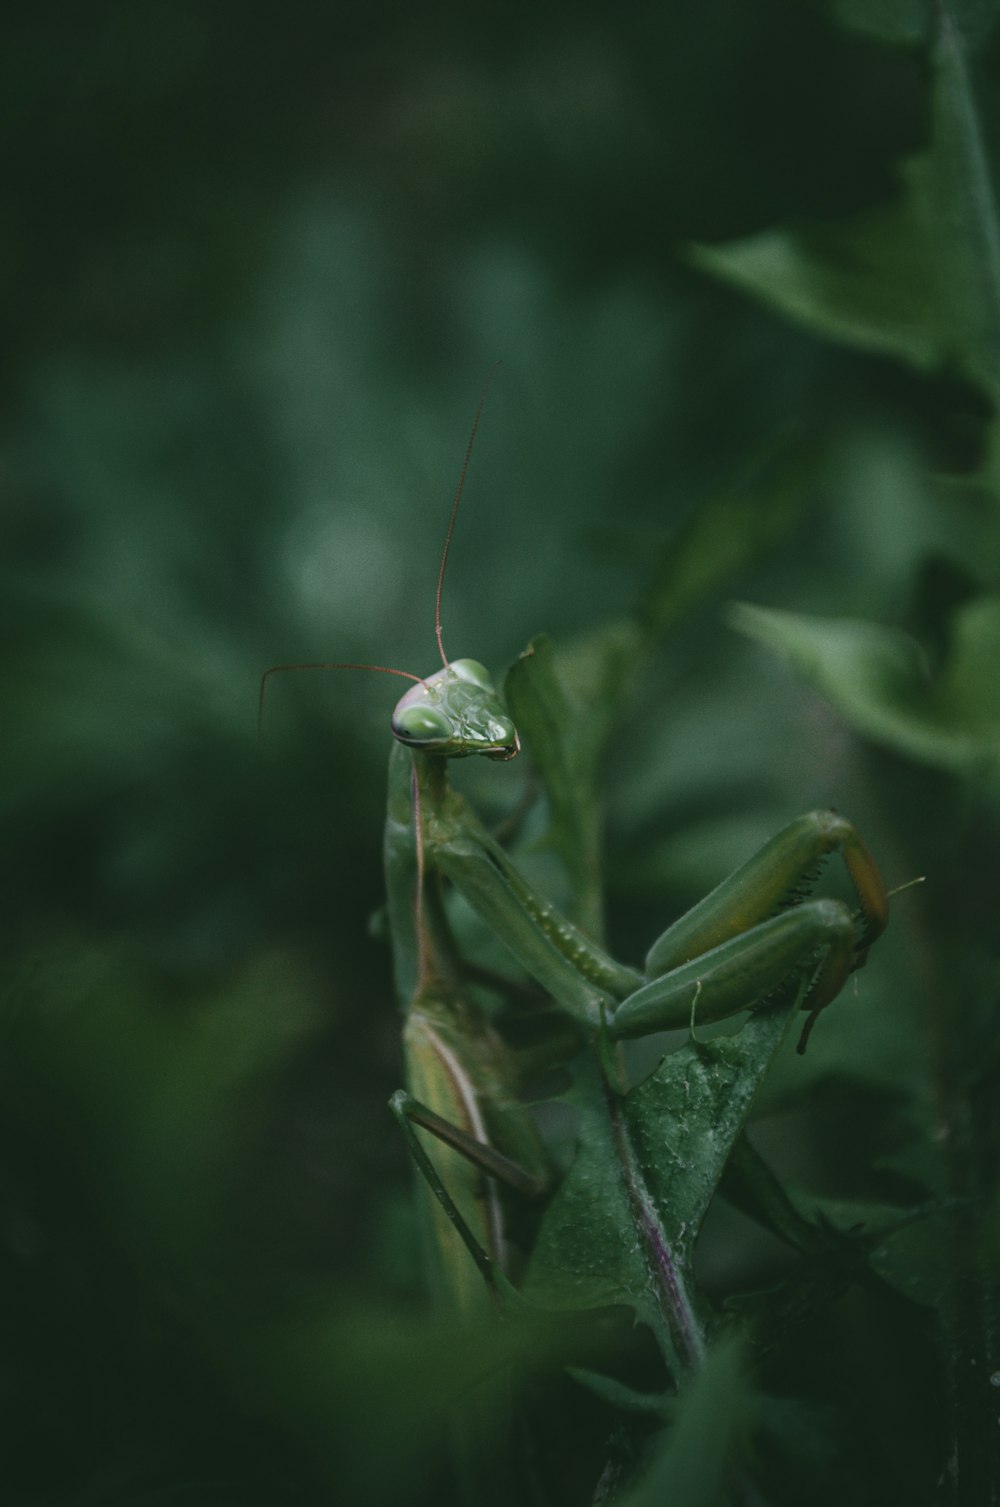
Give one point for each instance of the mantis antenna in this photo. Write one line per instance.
(387, 669)
(454, 510)
(424, 964)
(328, 665)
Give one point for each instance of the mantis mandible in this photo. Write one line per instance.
(759, 938)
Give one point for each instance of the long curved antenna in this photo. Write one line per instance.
(454, 511)
(279, 669)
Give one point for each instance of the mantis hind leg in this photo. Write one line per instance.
(484, 1141)
(478, 1153)
(410, 1113)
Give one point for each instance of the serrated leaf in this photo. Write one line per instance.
(685, 1118)
(622, 1226)
(878, 680)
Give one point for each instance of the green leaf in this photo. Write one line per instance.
(167, 1102)
(917, 279)
(566, 703)
(609, 1389)
(728, 531)
(622, 1226)
(905, 22)
(704, 1440)
(685, 1118)
(551, 724)
(908, 23)
(878, 680)
(598, 669)
(846, 280)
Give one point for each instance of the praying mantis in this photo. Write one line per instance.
(759, 942)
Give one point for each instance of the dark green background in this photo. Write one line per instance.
(258, 261)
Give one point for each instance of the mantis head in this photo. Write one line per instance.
(454, 713)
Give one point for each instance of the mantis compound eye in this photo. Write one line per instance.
(503, 731)
(472, 671)
(420, 723)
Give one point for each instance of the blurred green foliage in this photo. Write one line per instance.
(741, 263)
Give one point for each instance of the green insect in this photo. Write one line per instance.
(758, 939)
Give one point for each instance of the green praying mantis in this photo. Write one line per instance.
(756, 941)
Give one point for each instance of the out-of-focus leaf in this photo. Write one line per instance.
(553, 726)
(878, 680)
(728, 531)
(918, 278)
(568, 701)
(165, 1105)
(598, 669)
(166, 1100)
(905, 22)
(702, 1447)
(658, 1404)
(868, 281)
(908, 23)
(370, 1392)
